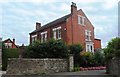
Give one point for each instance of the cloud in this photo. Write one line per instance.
(110, 4)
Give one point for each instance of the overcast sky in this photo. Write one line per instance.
(18, 18)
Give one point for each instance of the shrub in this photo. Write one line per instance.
(8, 53)
(99, 58)
(86, 59)
(50, 49)
(75, 49)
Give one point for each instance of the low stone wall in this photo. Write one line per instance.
(38, 66)
(113, 67)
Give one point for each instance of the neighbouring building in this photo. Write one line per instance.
(10, 43)
(97, 44)
(74, 28)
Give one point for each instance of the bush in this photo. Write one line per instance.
(86, 59)
(99, 58)
(8, 53)
(75, 49)
(113, 48)
(50, 49)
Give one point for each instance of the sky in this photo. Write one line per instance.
(18, 18)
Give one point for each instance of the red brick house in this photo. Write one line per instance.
(9, 43)
(74, 28)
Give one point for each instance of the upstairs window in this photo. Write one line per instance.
(81, 20)
(44, 36)
(57, 33)
(88, 35)
(8, 45)
(34, 38)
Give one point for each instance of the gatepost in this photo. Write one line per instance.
(71, 62)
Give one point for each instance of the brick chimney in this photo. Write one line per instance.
(73, 8)
(38, 25)
(13, 40)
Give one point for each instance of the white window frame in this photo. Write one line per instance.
(88, 33)
(54, 34)
(34, 38)
(42, 36)
(88, 46)
(8, 45)
(57, 33)
(81, 20)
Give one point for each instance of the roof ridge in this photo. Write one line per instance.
(58, 20)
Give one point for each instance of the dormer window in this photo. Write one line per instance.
(81, 20)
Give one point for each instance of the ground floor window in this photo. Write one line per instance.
(89, 46)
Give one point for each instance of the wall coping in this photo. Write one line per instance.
(37, 59)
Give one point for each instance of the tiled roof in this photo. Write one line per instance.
(62, 19)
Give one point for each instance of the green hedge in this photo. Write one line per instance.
(50, 49)
(8, 53)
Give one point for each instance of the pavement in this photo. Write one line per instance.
(92, 73)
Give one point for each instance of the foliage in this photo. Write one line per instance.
(8, 53)
(86, 59)
(76, 69)
(113, 48)
(75, 49)
(50, 49)
(99, 58)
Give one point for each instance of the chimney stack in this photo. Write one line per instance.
(73, 8)
(38, 25)
(13, 40)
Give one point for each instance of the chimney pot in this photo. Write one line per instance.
(13, 40)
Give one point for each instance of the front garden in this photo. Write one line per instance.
(59, 49)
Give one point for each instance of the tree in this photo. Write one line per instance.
(113, 48)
